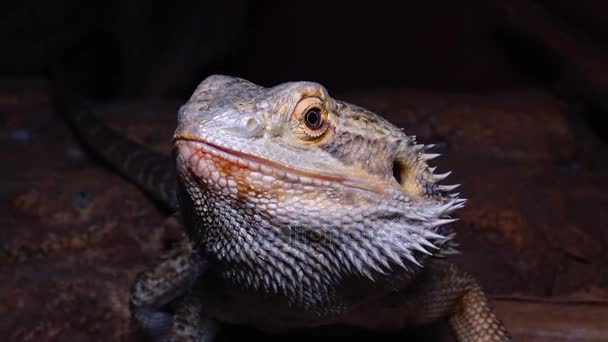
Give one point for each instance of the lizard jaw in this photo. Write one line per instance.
(198, 146)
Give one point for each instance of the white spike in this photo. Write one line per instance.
(418, 147)
(395, 257)
(446, 208)
(457, 206)
(454, 195)
(266, 279)
(429, 156)
(324, 261)
(451, 236)
(448, 188)
(375, 253)
(441, 176)
(418, 247)
(273, 262)
(432, 235)
(372, 263)
(450, 250)
(341, 255)
(383, 262)
(432, 169)
(416, 216)
(427, 243)
(316, 276)
(283, 269)
(252, 282)
(355, 261)
(364, 271)
(430, 146)
(411, 258)
(461, 201)
(450, 207)
(441, 222)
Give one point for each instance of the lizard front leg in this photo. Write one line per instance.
(447, 291)
(158, 288)
(189, 324)
(440, 291)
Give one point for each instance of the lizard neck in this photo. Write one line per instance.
(323, 268)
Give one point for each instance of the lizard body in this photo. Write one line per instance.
(300, 211)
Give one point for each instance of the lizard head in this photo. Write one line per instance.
(305, 186)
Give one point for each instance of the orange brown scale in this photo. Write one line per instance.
(227, 170)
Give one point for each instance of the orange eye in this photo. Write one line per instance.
(309, 118)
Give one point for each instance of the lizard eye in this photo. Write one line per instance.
(313, 118)
(309, 118)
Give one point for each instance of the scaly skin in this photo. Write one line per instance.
(302, 211)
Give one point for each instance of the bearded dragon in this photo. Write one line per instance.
(299, 211)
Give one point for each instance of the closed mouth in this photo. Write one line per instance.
(278, 170)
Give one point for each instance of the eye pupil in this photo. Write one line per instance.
(313, 118)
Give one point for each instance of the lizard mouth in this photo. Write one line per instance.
(265, 166)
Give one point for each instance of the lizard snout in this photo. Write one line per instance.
(217, 124)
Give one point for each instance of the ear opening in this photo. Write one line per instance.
(406, 169)
(397, 172)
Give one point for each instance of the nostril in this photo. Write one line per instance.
(251, 125)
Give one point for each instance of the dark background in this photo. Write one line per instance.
(516, 92)
(156, 48)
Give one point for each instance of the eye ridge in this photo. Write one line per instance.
(313, 118)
